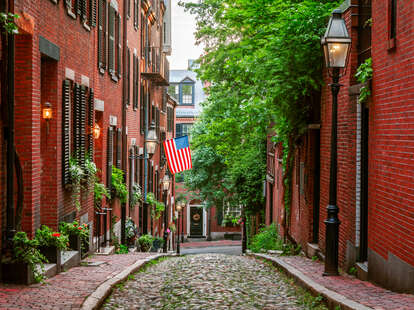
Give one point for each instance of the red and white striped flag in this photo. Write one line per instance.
(178, 154)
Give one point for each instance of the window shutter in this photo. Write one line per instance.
(91, 112)
(109, 157)
(102, 35)
(131, 173)
(157, 121)
(76, 119)
(128, 4)
(134, 81)
(118, 147)
(66, 132)
(118, 47)
(129, 76)
(164, 99)
(92, 13)
(78, 6)
(156, 185)
(136, 14)
(219, 215)
(141, 172)
(141, 109)
(82, 128)
(83, 9)
(111, 39)
(137, 180)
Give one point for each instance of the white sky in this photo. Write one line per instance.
(183, 40)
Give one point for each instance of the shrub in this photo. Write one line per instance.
(145, 242)
(47, 237)
(75, 229)
(266, 239)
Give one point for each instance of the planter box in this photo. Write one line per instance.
(74, 243)
(17, 273)
(52, 254)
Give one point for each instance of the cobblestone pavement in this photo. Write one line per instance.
(207, 281)
(68, 289)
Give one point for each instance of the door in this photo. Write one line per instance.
(196, 221)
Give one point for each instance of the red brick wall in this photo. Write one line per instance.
(391, 165)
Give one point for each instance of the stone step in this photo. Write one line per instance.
(69, 259)
(50, 270)
(362, 271)
(107, 250)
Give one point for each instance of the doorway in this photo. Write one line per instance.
(196, 221)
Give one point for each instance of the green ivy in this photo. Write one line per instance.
(364, 75)
(118, 184)
(7, 22)
(76, 175)
(157, 207)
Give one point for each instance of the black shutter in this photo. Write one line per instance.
(156, 185)
(134, 80)
(66, 132)
(111, 39)
(136, 149)
(109, 157)
(136, 14)
(129, 76)
(92, 13)
(164, 99)
(76, 120)
(157, 121)
(219, 215)
(141, 109)
(128, 4)
(118, 147)
(78, 7)
(118, 47)
(82, 128)
(91, 112)
(131, 172)
(178, 130)
(83, 9)
(102, 35)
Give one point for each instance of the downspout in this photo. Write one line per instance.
(124, 125)
(10, 157)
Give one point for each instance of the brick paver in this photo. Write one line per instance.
(363, 292)
(201, 244)
(67, 290)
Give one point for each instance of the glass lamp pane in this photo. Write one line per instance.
(151, 145)
(337, 54)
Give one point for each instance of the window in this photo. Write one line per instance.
(183, 130)
(393, 19)
(173, 90)
(187, 94)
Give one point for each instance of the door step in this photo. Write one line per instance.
(69, 259)
(107, 250)
(313, 250)
(362, 271)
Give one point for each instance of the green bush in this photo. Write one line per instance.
(266, 239)
(76, 229)
(145, 242)
(47, 237)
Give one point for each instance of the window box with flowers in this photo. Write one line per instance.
(51, 243)
(78, 235)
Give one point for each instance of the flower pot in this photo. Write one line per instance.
(74, 243)
(52, 254)
(17, 273)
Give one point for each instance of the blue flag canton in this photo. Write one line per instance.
(181, 142)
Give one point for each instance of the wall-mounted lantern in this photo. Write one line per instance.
(47, 114)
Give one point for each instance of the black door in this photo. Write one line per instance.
(363, 254)
(270, 203)
(316, 184)
(196, 221)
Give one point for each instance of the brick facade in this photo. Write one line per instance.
(388, 116)
(57, 44)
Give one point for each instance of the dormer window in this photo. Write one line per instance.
(187, 94)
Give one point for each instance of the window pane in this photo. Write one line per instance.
(173, 91)
(187, 94)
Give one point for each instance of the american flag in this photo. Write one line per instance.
(178, 154)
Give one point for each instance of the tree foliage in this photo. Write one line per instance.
(263, 62)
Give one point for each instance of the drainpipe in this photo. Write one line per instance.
(124, 125)
(10, 157)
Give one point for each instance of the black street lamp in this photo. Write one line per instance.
(165, 187)
(336, 46)
(179, 207)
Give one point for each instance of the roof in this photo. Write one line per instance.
(178, 76)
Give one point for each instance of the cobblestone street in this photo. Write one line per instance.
(208, 281)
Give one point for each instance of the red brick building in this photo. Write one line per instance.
(94, 62)
(375, 155)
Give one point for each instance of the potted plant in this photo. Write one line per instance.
(145, 242)
(136, 195)
(157, 244)
(119, 188)
(78, 235)
(51, 243)
(25, 266)
(131, 231)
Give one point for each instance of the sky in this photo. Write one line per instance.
(183, 40)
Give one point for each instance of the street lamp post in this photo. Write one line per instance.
(336, 45)
(165, 187)
(179, 207)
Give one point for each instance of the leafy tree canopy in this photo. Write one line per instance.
(263, 62)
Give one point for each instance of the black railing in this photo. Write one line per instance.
(157, 67)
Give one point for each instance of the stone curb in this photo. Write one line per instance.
(332, 298)
(95, 300)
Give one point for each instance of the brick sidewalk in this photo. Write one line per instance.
(362, 292)
(204, 244)
(67, 290)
